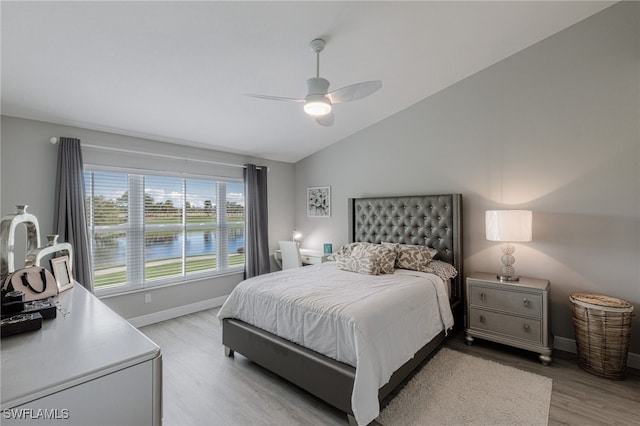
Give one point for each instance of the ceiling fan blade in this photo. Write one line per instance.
(325, 120)
(354, 91)
(274, 98)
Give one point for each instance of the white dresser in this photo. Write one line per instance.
(512, 313)
(87, 366)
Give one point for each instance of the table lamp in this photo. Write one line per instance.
(508, 226)
(297, 236)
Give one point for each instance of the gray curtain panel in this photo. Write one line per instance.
(70, 220)
(257, 223)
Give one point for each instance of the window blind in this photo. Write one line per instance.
(150, 229)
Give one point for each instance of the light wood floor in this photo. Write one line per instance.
(203, 387)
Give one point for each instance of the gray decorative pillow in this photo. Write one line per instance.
(345, 250)
(369, 265)
(386, 255)
(394, 246)
(414, 258)
(444, 270)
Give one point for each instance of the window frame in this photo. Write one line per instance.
(136, 281)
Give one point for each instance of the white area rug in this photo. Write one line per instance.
(459, 389)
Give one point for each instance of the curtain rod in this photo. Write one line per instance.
(54, 140)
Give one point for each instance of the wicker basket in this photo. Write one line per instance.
(603, 332)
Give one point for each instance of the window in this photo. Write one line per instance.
(148, 230)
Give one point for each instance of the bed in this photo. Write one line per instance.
(433, 221)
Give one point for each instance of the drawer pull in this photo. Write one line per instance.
(527, 328)
(526, 302)
(483, 296)
(482, 319)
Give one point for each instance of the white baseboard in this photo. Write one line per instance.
(569, 345)
(179, 311)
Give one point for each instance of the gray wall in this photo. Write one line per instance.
(554, 129)
(28, 177)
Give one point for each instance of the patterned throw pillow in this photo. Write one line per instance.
(444, 270)
(394, 246)
(345, 250)
(415, 258)
(386, 255)
(369, 265)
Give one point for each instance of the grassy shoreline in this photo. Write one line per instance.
(164, 268)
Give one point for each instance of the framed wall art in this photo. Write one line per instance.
(62, 272)
(319, 201)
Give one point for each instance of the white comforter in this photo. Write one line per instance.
(374, 323)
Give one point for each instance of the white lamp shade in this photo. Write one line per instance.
(509, 225)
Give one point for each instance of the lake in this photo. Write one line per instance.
(112, 250)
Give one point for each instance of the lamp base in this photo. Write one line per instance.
(507, 272)
(508, 279)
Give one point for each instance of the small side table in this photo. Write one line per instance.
(511, 313)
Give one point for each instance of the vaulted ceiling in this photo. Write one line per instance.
(177, 71)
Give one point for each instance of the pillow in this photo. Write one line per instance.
(414, 258)
(386, 255)
(345, 250)
(444, 270)
(394, 246)
(369, 265)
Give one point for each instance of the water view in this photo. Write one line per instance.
(163, 254)
(112, 249)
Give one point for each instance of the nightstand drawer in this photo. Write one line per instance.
(313, 260)
(520, 328)
(505, 300)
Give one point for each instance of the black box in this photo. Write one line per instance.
(20, 323)
(46, 308)
(12, 303)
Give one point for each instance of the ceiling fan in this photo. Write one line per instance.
(319, 101)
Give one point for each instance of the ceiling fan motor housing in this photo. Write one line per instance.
(316, 103)
(317, 86)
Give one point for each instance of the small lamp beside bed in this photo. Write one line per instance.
(508, 226)
(297, 237)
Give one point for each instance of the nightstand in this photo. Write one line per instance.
(511, 313)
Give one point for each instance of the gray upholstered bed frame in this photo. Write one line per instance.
(432, 220)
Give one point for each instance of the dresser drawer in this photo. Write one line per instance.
(505, 300)
(494, 322)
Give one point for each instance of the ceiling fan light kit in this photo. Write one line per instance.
(317, 105)
(318, 102)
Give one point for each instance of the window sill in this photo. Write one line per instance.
(114, 292)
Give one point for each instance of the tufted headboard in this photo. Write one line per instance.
(431, 220)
